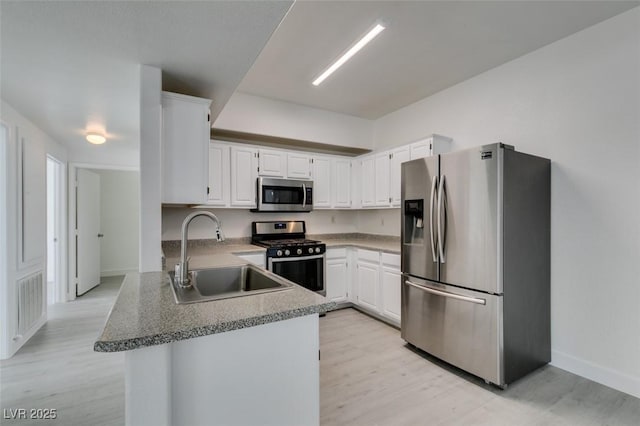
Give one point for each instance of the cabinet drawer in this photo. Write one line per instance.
(336, 253)
(391, 260)
(368, 255)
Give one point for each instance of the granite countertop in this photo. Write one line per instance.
(384, 243)
(145, 312)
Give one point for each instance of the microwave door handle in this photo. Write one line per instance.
(304, 195)
(434, 184)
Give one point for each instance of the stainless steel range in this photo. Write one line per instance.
(290, 254)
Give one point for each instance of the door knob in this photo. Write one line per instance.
(100, 235)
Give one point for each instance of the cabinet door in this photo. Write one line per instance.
(321, 182)
(368, 181)
(421, 149)
(185, 145)
(398, 157)
(272, 163)
(337, 279)
(298, 166)
(382, 180)
(391, 288)
(367, 281)
(341, 182)
(219, 173)
(244, 165)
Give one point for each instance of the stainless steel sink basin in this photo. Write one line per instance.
(227, 282)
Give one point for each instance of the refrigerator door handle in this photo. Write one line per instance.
(441, 232)
(434, 184)
(447, 294)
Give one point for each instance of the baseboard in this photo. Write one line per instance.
(116, 272)
(603, 375)
(15, 344)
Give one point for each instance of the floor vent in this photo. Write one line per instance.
(30, 301)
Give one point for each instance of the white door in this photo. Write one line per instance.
(342, 183)
(398, 157)
(321, 182)
(243, 176)
(421, 149)
(88, 231)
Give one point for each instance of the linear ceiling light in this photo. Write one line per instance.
(344, 58)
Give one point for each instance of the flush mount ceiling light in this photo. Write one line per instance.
(96, 138)
(352, 51)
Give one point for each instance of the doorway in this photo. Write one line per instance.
(104, 225)
(56, 291)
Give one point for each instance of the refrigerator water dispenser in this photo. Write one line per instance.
(413, 221)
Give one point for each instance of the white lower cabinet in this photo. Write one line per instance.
(391, 280)
(254, 258)
(337, 275)
(367, 278)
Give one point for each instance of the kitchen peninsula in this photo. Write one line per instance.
(243, 360)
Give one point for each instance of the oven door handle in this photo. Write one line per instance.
(291, 259)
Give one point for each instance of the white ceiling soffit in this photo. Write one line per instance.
(426, 47)
(70, 66)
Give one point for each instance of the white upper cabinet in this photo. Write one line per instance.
(219, 175)
(321, 174)
(272, 163)
(244, 171)
(368, 181)
(298, 166)
(433, 145)
(185, 146)
(398, 156)
(382, 198)
(341, 177)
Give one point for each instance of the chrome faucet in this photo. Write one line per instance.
(182, 268)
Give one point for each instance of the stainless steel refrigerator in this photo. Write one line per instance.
(475, 260)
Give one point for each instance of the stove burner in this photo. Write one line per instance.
(287, 243)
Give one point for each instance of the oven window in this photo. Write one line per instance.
(309, 273)
(282, 195)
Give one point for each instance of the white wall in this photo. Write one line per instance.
(255, 114)
(379, 222)
(39, 145)
(119, 221)
(236, 223)
(577, 102)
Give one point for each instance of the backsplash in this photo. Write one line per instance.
(236, 223)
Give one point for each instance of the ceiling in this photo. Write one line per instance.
(73, 67)
(427, 46)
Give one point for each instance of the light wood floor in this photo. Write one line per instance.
(368, 376)
(58, 368)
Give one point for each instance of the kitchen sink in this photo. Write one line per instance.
(226, 282)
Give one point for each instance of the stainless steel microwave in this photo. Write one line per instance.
(284, 195)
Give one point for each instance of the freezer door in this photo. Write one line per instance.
(418, 250)
(459, 326)
(470, 222)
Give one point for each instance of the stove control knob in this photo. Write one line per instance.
(317, 249)
(279, 253)
(287, 252)
(299, 251)
(310, 250)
